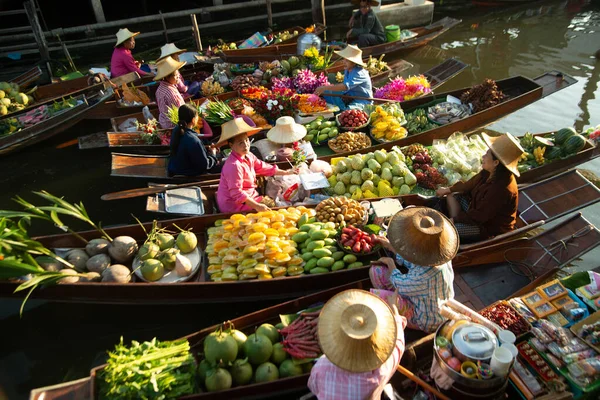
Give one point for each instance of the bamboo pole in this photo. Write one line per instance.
(164, 24)
(270, 14)
(324, 19)
(196, 33)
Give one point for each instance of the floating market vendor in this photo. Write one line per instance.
(237, 186)
(424, 242)
(365, 26)
(122, 62)
(486, 205)
(357, 81)
(189, 88)
(362, 339)
(188, 156)
(285, 132)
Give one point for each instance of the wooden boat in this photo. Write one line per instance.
(572, 191)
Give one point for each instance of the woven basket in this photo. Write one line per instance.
(351, 129)
(344, 151)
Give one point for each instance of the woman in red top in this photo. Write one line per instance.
(486, 205)
(122, 61)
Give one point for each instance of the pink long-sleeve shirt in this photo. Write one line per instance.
(238, 181)
(329, 382)
(122, 63)
(167, 96)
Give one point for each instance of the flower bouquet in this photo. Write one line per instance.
(401, 90)
(150, 134)
(311, 103)
(305, 81)
(277, 103)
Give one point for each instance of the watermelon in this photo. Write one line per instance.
(562, 135)
(552, 153)
(574, 144)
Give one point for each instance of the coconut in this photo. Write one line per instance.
(168, 258)
(122, 249)
(90, 277)
(116, 273)
(183, 266)
(148, 251)
(49, 264)
(165, 241)
(187, 241)
(98, 263)
(241, 372)
(77, 258)
(70, 279)
(217, 379)
(97, 246)
(288, 368)
(269, 331)
(152, 270)
(279, 354)
(266, 372)
(258, 348)
(220, 345)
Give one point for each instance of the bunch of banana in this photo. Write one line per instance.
(418, 122)
(538, 153)
(376, 65)
(211, 88)
(339, 77)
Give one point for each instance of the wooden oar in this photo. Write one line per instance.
(421, 383)
(128, 194)
(359, 97)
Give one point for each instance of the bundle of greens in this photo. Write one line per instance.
(149, 370)
(217, 113)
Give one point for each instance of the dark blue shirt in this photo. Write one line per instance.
(190, 156)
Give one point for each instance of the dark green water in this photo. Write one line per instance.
(53, 343)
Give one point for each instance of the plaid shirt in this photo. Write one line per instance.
(167, 96)
(425, 287)
(329, 382)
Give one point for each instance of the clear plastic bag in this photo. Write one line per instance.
(585, 372)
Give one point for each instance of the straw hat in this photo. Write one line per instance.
(286, 130)
(169, 49)
(124, 34)
(423, 236)
(372, 3)
(507, 150)
(357, 331)
(353, 54)
(166, 67)
(236, 126)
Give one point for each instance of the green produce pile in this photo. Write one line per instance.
(149, 370)
(539, 151)
(217, 113)
(320, 130)
(417, 122)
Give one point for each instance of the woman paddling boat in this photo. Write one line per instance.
(122, 61)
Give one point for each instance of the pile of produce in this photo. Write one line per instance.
(376, 66)
(149, 370)
(253, 92)
(387, 121)
(291, 66)
(349, 141)
(11, 98)
(300, 338)
(320, 130)
(427, 175)
(542, 150)
(242, 68)
(358, 241)
(35, 116)
(352, 119)
(400, 89)
(211, 88)
(256, 245)
(311, 103)
(8, 126)
(237, 103)
(483, 96)
(340, 211)
(417, 122)
(459, 157)
(244, 81)
(378, 174)
(283, 36)
(507, 318)
(217, 113)
(447, 112)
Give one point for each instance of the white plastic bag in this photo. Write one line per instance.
(129, 125)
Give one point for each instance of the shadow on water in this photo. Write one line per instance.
(58, 342)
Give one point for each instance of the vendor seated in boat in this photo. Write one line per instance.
(357, 81)
(185, 88)
(362, 339)
(365, 26)
(237, 186)
(486, 205)
(188, 155)
(424, 241)
(122, 61)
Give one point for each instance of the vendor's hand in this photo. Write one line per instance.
(393, 302)
(261, 207)
(319, 91)
(351, 22)
(385, 243)
(212, 149)
(388, 262)
(443, 191)
(349, 34)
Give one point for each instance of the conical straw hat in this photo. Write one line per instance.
(357, 331)
(236, 126)
(124, 34)
(507, 150)
(169, 49)
(423, 236)
(286, 130)
(353, 54)
(166, 67)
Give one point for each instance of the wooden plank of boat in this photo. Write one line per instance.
(131, 140)
(443, 72)
(27, 78)
(93, 141)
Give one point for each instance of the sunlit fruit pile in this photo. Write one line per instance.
(253, 92)
(351, 119)
(387, 123)
(341, 211)
(256, 246)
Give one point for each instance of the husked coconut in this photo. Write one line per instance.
(98, 263)
(183, 266)
(69, 279)
(116, 273)
(49, 264)
(97, 246)
(78, 258)
(122, 249)
(90, 277)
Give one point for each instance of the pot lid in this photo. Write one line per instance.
(474, 341)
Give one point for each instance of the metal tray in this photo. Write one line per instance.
(184, 201)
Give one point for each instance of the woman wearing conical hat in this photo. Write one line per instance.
(423, 241)
(185, 88)
(122, 61)
(362, 339)
(486, 205)
(237, 186)
(357, 81)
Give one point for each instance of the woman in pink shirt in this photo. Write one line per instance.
(189, 89)
(122, 62)
(237, 186)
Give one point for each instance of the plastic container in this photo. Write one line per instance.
(392, 33)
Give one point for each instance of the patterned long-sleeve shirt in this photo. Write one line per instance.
(329, 382)
(167, 96)
(122, 63)
(238, 181)
(425, 287)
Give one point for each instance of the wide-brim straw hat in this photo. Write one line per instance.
(286, 130)
(124, 34)
(372, 3)
(507, 150)
(166, 67)
(235, 127)
(357, 331)
(169, 49)
(423, 236)
(353, 54)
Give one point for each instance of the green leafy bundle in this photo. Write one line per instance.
(217, 113)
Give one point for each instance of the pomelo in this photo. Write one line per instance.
(266, 372)
(258, 348)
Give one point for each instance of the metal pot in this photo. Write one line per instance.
(473, 342)
(306, 41)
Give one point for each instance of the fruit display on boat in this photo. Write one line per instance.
(349, 141)
(283, 36)
(483, 96)
(358, 241)
(376, 66)
(310, 103)
(244, 81)
(386, 122)
(539, 151)
(12, 99)
(211, 88)
(253, 92)
(417, 122)
(352, 119)
(320, 130)
(318, 247)
(340, 211)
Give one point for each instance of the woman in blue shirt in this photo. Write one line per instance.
(357, 81)
(188, 155)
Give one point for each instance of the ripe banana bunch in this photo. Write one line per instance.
(538, 153)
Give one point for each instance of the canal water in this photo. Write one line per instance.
(54, 343)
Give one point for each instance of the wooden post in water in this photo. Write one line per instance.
(196, 32)
(316, 15)
(38, 33)
(164, 24)
(270, 14)
(324, 19)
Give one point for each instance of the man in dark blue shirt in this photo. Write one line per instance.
(365, 25)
